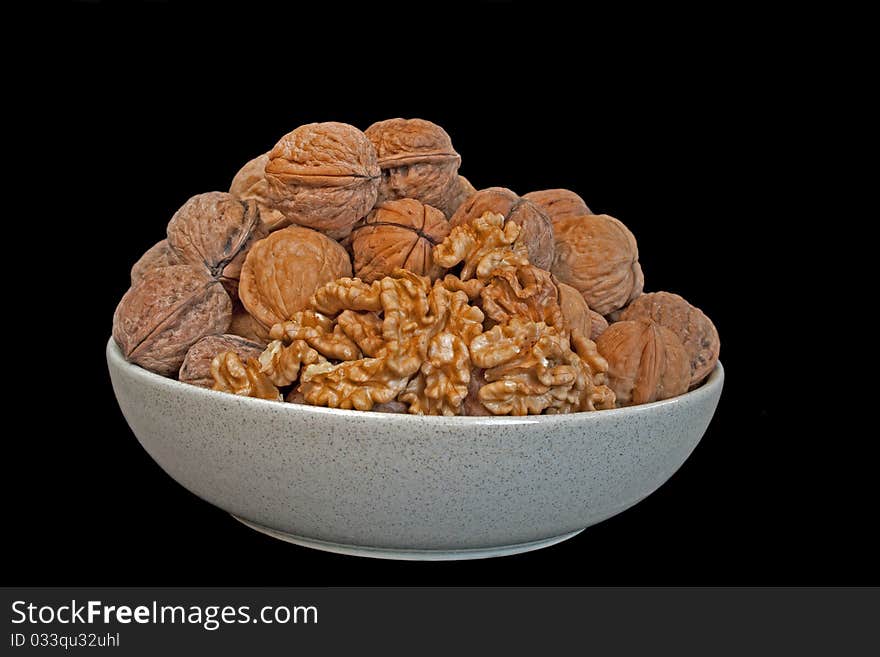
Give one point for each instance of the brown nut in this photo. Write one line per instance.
(319, 332)
(196, 367)
(215, 230)
(525, 292)
(482, 246)
(158, 255)
(281, 363)
(575, 310)
(245, 326)
(696, 331)
(646, 362)
(250, 184)
(244, 378)
(559, 203)
(598, 324)
(165, 313)
(282, 271)
(399, 233)
(537, 231)
(417, 161)
(323, 176)
(597, 255)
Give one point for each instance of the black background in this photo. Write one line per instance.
(677, 132)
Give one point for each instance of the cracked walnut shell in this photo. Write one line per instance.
(215, 230)
(165, 313)
(398, 234)
(417, 161)
(323, 176)
(598, 256)
(537, 231)
(196, 367)
(283, 270)
(646, 362)
(697, 333)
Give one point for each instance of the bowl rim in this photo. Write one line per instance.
(710, 387)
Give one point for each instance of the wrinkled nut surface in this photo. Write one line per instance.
(646, 362)
(575, 310)
(323, 176)
(196, 367)
(215, 230)
(244, 378)
(319, 332)
(597, 255)
(283, 270)
(245, 326)
(417, 161)
(250, 184)
(398, 234)
(697, 333)
(165, 313)
(537, 230)
(559, 203)
(525, 292)
(598, 324)
(281, 363)
(530, 368)
(481, 246)
(158, 255)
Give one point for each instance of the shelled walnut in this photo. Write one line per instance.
(597, 255)
(215, 230)
(697, 333)
(398, 234)
(481, 246)
(646, 362)
(417, 161)
(244, 378)
(537, 231)
(284, 269)
(165, 313)
(323, 176)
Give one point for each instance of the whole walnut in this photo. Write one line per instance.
(250, 184)
(417, 161)
(323, 176)
(158, 255)
(598, 324)
(215, 230)
(166, 312)
(245, 326)
(646, 362)
(399, 233)
(598, 256)
(537, 231)
(283, 270)
(559, 203)
(196, 367)
(696, 331)
(575, 310)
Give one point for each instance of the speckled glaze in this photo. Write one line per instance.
(403, 486)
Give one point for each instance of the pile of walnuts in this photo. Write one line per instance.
(359, 270)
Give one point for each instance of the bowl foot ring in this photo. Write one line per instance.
(410, 555)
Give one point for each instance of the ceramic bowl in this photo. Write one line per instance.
(409, 487)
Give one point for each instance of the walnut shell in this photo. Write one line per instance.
(559, 203)
(598, 324)
(696, 331)
(283, 270)
(323, 176)
(417, 161)
(575, 310)
(245, 326)
(646, 362)
(598, 256)
(537, 231)
(215, 230)
(158, 255)
(196, 367)
(399, 233)
(165, 313)
(250, 184)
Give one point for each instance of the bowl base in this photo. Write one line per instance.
(410, 555)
